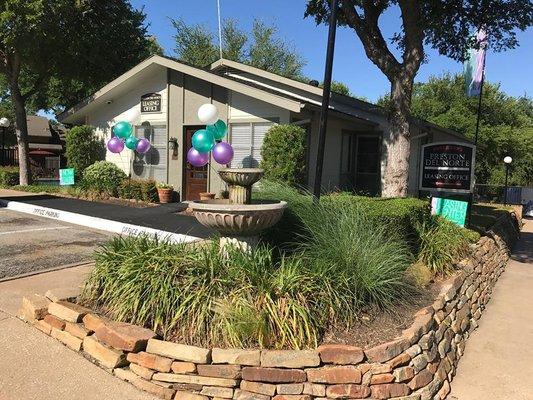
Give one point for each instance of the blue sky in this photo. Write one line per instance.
(351, 65)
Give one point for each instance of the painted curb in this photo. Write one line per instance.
(95, 222)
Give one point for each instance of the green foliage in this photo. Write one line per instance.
(340, 87)
(506, 126)
(200, 295)
(283, 154)
(9, 176)
(441, 243)
(138, 189)
(445, 26)
(83, 148)
(197, 45)
(103, 177)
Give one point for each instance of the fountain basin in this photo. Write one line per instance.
(238, 219)
(241, 176)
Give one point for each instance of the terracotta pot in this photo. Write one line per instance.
(207, 196)
(165, 195)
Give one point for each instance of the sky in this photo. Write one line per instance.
(351, 66)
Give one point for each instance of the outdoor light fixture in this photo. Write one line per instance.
(4, 124)
(507, 160)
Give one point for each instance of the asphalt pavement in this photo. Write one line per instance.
(29, 244)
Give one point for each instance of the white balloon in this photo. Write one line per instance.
(208, 114)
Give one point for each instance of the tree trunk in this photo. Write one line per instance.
(397, 152)
(21, 131)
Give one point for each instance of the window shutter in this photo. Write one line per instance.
(241, 137)
(260, 130)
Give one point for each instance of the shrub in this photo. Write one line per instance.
(283, 154)
(441, 243)
(104, 177)
(199, 295)
(9, 176)
(83, 148)
(138, 189)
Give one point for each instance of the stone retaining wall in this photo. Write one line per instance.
(418, 365)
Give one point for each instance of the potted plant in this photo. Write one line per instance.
(165, 192)
(207, 196)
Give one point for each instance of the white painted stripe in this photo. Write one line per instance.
(36, 230)
(448, 168)
(95, 222)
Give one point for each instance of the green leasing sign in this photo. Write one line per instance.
(452, 210)
(66, 176)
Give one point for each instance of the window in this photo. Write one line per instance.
(152, 165)
(247, 139)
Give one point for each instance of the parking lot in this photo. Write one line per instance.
(29, 243)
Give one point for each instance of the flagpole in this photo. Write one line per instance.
(219, 29)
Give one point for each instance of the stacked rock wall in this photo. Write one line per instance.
(418, 365)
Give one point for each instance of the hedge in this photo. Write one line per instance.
(9, 176)
(83, 148)
(138, 189)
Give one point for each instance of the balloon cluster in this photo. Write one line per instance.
(205, 140)
(123, 137)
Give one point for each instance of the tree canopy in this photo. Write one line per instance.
(197, 45)
(55, 52)
(447, 26)
(506, 125)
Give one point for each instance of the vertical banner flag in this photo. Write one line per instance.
(474, 65)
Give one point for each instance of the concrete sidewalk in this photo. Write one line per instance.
(497, 364)
(34, 366)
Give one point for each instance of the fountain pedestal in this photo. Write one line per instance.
(238, 219)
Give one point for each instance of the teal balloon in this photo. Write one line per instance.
(122, 129)
(131, 142)
(218, 129)
(203, 141)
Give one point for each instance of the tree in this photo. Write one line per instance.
(506, 126)
(55, 52)
(444, 25)
(339, 87)
(197, 45)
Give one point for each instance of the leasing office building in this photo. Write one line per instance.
(160, 97)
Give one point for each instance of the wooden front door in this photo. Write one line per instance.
(195, 178)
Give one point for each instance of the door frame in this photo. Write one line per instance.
(183, 194)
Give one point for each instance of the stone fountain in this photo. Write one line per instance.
(239, 219)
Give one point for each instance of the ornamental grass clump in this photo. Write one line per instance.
(441, 242)
(197, 295)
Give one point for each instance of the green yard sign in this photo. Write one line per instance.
(452, 210)
(66, 176)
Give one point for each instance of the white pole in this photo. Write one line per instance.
(219, 29)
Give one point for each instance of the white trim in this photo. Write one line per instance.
(95, 222)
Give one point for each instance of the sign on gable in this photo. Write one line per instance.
(150, 103)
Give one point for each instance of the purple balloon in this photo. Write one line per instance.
(115, 145)
(143, 146)
(196, 158)
(223, 153)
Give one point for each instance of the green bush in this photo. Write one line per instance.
(9, 176)
(103, 177)
(199, 295)
(398, 216)
(83, 148)
(441, 243)
(283, 154)
(138, 189)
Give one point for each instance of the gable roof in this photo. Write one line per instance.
(271, 98)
